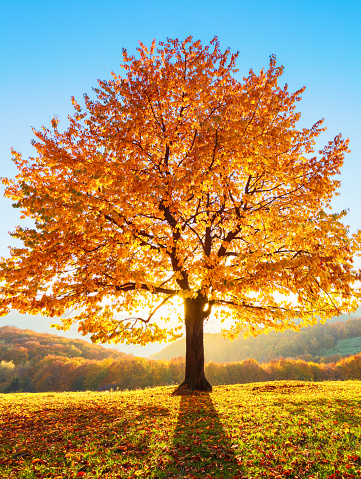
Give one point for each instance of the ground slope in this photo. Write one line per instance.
(284, 429)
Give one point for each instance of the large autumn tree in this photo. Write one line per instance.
(179, 180)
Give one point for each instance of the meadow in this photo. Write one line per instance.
(284, 429)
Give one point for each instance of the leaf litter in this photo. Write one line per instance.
(285, 429)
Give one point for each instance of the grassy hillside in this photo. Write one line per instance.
(271, 430)
(321, 342)
(343, 347)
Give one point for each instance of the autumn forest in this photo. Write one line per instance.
(32, 362)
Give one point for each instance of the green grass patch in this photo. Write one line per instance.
(285, 429)
(343, 347)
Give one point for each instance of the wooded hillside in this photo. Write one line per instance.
(21, 345)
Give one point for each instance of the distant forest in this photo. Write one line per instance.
(37, 362)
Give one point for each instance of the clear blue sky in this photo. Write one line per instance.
(53, 50)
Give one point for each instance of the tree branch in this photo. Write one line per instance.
(145, 287)
(160, 305)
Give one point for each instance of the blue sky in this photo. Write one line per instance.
(53, 50)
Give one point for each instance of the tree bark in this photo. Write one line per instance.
(194, 315)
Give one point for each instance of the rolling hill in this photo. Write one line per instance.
(322, 342)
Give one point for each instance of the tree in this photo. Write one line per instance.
(179, 180)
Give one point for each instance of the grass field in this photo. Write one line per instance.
(266, 430)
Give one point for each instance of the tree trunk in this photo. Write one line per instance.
(194, 314)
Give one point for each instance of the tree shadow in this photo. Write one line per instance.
(200, 445)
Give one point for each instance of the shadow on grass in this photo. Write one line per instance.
(200, 445)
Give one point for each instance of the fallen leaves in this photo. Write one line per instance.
(285, 429)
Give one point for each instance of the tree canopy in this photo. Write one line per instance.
(180, 180)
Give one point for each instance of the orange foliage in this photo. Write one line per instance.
(181, 180)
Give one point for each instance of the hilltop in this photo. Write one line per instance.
(21, 345)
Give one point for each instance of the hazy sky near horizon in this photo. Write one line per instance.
(53, 50)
